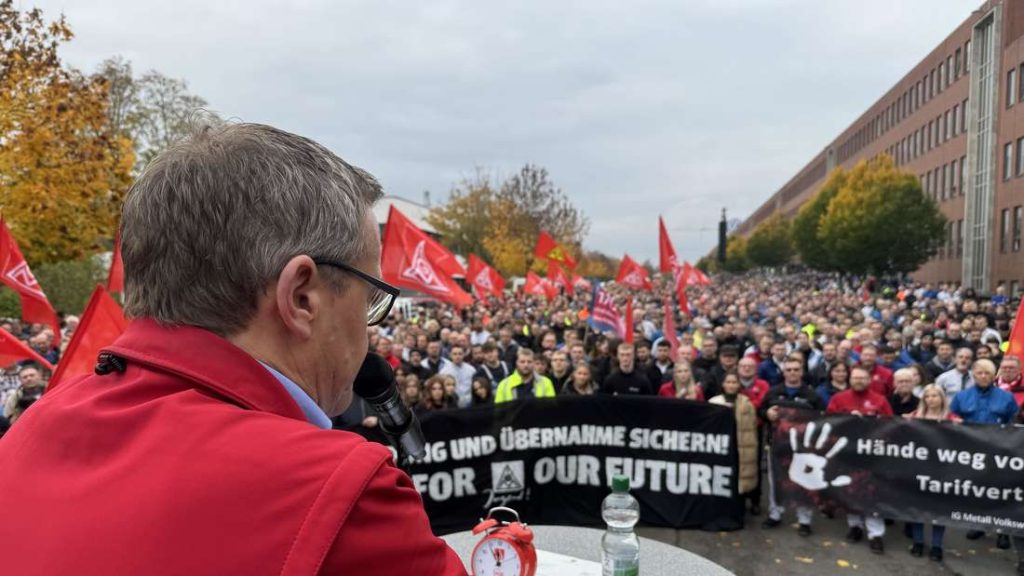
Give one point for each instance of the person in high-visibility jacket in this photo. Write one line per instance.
(524, 382)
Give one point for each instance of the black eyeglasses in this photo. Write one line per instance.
(382, 297)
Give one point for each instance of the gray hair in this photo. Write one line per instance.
(214, 218)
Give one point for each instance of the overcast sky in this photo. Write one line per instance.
(635, 108)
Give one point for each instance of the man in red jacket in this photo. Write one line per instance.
(202, 446)
(881, 377)
(861, 400)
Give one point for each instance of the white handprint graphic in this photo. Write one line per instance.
(808, 469)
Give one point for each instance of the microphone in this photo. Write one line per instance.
(375, 383)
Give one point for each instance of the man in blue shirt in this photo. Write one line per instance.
(984, 403)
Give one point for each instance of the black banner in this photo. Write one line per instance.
(552, 460)
(914, 470)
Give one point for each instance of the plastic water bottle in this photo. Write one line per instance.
(620, 548)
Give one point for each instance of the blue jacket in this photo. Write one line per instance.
(770, 372)
(988, 406)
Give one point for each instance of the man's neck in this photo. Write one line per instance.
(793, 386)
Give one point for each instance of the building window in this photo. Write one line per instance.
(940, 84)
(1007, 160)
(1004, 230)
(963, 116)
(949, 240)
(967, 57)
(931, 83)
(1020, 156)
(1011, 87)
(963, 173)
(946, 125)
(953, 175)
(949, 70)
(938, 131)
(956, 63)
(1020, 84)
(956, 119)
(1018, 215)
(944, 182)
(960, 238)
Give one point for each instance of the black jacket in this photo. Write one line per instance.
(805, 397)
(632, 383)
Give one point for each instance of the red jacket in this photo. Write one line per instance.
(756, 392)
(881, 381)
(195, 460)
(867, 403)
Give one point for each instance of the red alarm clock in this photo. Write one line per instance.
(507, 548)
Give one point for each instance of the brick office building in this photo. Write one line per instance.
(957, 121)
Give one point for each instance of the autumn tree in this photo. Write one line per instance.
(502, 224)
(62, 170)
(881, 221)
(806, 226)
(769, 244)
(464, 221)
(594, 264)
(736, 254)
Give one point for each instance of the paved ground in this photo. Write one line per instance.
(781, 552)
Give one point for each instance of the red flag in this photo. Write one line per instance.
(16, 275)
(633, 275)
(558, 277)
(629, 321)
(115, 282)
(412, 259)
(102, 323)
(538, 286)
(580, 282)
(13, 350)
(1016, 346)
(483, 278)
(670, 327)
(548, 249)
(684, 302)
(666, 253)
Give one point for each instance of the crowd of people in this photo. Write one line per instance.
(752, 343)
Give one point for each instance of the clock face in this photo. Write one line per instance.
(494, 557)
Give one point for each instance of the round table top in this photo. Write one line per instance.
(656, 558)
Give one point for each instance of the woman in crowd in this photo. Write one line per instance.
(450, 395)
(838, 380)
(582, 382)
(411, 390)
(482, 395)
(934, 405)
(746, 435)
(436, 398)
(683, 384)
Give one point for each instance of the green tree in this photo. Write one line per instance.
(736, 260)
(69, 284)
(806, 227)
(881, 222)
(770, 245)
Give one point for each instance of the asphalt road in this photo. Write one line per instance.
(755, 551)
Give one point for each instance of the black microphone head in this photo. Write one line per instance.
(375, 377)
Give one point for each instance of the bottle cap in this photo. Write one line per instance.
(620, 483)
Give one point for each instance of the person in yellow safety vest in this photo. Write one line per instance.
(524, 382)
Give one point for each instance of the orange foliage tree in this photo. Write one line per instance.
(63, 172)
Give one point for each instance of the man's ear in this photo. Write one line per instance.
(298, 296)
